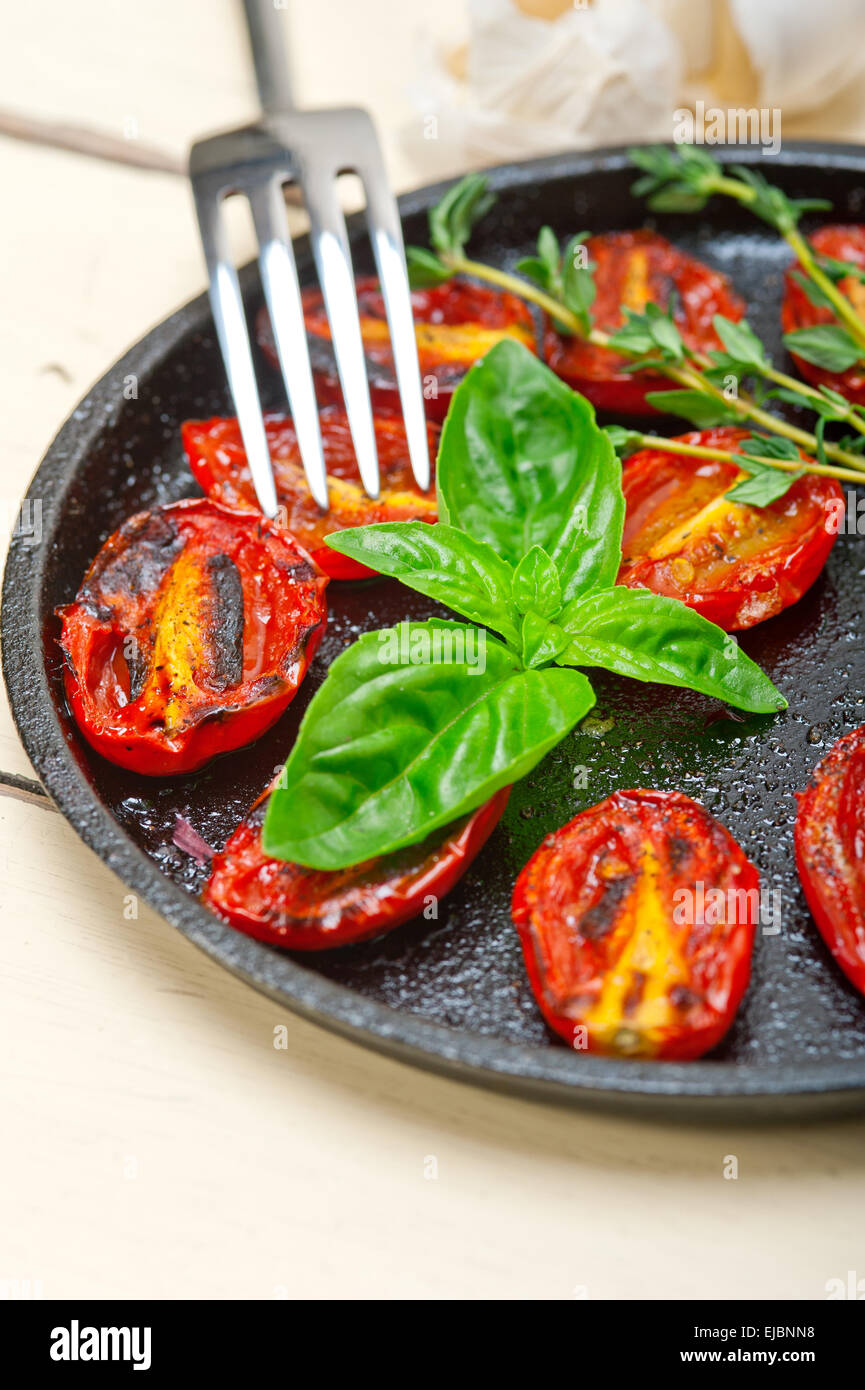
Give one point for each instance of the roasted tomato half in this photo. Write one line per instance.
(314, 910)
(217, 458)
(633, 269)
(455, 324)
(190, 634)
(637, 923)
(830, 852)
(734, 564)
(842, 243)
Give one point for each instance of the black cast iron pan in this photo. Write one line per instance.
(452, 994)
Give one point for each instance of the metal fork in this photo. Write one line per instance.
(310, 148)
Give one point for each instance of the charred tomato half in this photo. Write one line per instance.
(218, 461)
(637, 923)
(735, 564)
(455, 324)
(633, 269)
(842, 243)
(189, 636)
(830, 852)
(314, 910)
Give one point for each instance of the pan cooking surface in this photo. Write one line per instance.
(800, 1034)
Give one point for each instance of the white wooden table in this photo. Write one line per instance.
(155, 1143)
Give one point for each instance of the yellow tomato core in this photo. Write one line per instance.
(649, 965)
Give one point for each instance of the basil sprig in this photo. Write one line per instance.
(523, 463)
(388, 752)
(418, 724)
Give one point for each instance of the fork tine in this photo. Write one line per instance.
(386, 233)
(282, 292)
(333, 262)
(228, 315)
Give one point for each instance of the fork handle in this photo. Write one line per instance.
(268, 54)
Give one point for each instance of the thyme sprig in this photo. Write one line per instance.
(685, 178)
(559, 281)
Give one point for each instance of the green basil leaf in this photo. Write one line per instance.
(703, 411)
(651, 638)
(441, 562)
(522, 462)
(536, 584)
(827, 345)
(542, 640)
(400, 741)
(741, 341)
(424, 268)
